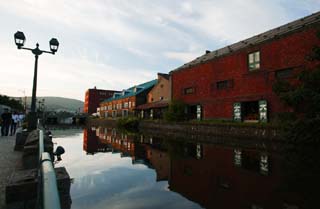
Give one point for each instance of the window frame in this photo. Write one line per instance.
(186, 91)
(252, 66)
(228, 84)
(286, 73)
(220, 85)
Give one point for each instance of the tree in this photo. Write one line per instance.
(14, 104)
(176, 111)
(302, 135)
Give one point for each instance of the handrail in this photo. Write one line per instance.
(50, 194)
(41, 143)
(51, 198)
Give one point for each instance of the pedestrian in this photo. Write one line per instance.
(6, 121)
(14, 122)
(21, 118)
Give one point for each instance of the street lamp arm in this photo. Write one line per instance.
(26, 48)
(40, 51)
(47, 52)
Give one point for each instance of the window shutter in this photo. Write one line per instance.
(237, 111)
(263, 110)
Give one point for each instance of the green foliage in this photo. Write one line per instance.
(14, 104)
(284, 118)
(302, 132)
(64, 114)
(176, 111)
(301, 165)
(304, 98)
(130, 123)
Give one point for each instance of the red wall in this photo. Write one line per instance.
(285, 52)
(93, 97)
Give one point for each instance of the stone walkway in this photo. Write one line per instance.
(10, 161)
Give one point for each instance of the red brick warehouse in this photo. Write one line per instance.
(235, 82)
(93, 97)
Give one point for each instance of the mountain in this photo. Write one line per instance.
(57, 103)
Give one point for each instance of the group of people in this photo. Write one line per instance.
(10, 121)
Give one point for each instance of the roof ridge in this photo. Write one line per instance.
(132, 93)
(256, 39)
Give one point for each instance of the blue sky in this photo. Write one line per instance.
(114, 44)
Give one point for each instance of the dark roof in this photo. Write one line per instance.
(131, 91)
(158, 104)
(268, 35)
(106, 90)
(164, 75)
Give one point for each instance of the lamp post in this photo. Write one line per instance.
(20, 39)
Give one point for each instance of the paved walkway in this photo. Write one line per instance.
(10, 161)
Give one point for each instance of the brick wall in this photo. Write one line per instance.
(161, 89)
(120, 104)
(284, 52)
(93, 97)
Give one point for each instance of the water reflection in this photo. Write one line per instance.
(136, 171)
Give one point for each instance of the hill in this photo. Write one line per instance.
(58, 103)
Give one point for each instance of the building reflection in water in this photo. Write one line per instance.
(92, 143)
(213, 176)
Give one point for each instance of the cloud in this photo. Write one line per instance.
(116, 44)
(181, 56)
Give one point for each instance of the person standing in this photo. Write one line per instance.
(15, 120)
(6, 121)
(21, 118)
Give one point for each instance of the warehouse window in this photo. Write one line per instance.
(222, 84)
(254, 60)
(226, 84)
(285, 73)
(189, 90)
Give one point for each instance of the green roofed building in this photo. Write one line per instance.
(123, 104)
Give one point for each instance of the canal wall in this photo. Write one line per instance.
(193, 129)
(101, 122)
(246, 131)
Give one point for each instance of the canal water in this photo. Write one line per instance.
(113, 169)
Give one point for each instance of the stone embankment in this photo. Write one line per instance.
(196, 129)
(19, 179)
(100, 122)
(245, 131)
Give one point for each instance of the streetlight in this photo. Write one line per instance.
(20, 39)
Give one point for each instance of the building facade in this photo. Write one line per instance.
(93, 97)
(123, 104)
(235, 82)
(157, 99)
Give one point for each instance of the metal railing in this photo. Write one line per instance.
(47, 175)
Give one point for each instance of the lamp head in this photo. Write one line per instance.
(54, 45)
(19, 39)
(59, 151)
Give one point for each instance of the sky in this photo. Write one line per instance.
(115, 44)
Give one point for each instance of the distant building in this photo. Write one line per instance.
(235, 82)
(93, 97)
(3, 107)
(124, 103)
(157, 99)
